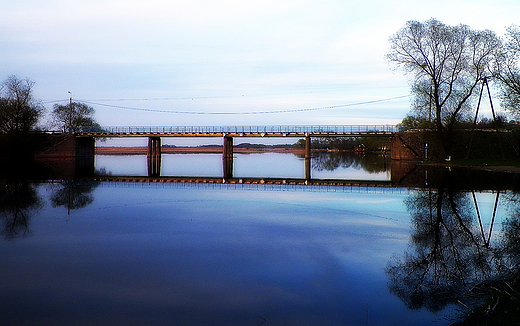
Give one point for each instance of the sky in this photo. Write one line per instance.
(229, 62)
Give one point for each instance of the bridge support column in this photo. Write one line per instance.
(84, 166)
(307, 146)
(307, 157)
(154, 156)
(154, 166)
(85, 146)
(227, 166)
(307, 168)
(154, 146)
(227, 148)
(227, 157)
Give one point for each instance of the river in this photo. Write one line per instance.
(80, 252)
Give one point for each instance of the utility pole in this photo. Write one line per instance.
(69, 127)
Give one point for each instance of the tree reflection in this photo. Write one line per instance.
(452, 259)
(496, 300)
(19, 200)
(330, 161)
(73, 195)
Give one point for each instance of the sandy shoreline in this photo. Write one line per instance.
(192, 150)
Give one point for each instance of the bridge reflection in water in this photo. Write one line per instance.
(227, 174)
(244, 181)
(402, 175)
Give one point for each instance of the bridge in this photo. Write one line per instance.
(245, 131)
(82, 144)
(154, 134)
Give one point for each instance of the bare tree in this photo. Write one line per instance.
(508, 71)
(19, 111)
(75, 117)
(447, 64)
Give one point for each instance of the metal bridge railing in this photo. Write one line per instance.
(336, 129)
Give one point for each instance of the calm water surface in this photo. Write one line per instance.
(110, 253)
(275, 165)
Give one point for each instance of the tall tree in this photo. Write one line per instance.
(75, 117)
(508, 71)
(447, 64)
(19, 111)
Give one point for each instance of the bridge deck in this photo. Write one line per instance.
(244, 131)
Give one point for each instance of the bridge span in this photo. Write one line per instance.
(82, 143)
(245, 131)
(154, 134)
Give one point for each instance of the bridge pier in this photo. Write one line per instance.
(85, 147)
(154, 166)
(227, 157)
(227, 166)
(307, 166)
(154, 156)
(227, 148)
(307, 146)
(307, 157)
(154, 146)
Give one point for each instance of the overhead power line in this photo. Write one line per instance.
(245, 113)
(56, 101)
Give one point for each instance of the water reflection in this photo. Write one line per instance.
(330, 161)
(73, 194)
(323, 165)
(369, 166)
(456, 259)
(19, 201)
(19, 198)
(287, 256)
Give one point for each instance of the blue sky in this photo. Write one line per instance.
(247, 59)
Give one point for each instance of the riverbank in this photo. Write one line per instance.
(508, 165)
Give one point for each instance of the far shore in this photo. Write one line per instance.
(194, 150)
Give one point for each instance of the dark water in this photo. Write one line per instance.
(76, 252)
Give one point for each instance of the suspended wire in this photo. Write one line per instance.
(246, 113)
(56, 101)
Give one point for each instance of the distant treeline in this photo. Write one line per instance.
(372, 143)
(333, 143)
(242, 145)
